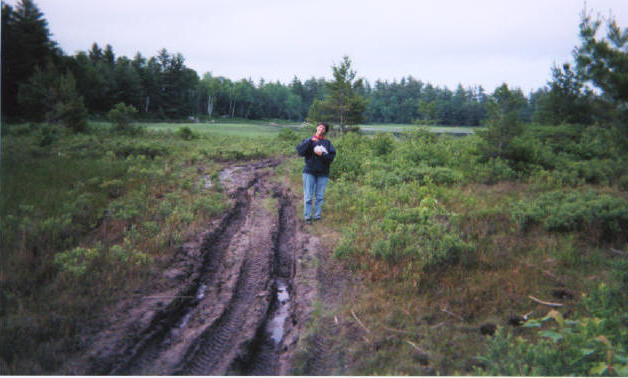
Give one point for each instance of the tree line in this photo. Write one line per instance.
(40, 82)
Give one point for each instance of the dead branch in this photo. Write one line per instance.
(396, 330)
(617, 251)
(438, 325)
(451, 313)
(359, 322)
(544, 302)
(416, 347)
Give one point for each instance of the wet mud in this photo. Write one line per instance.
(239, 299)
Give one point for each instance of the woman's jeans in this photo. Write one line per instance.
(313, 187)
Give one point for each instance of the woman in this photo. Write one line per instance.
(319, 153)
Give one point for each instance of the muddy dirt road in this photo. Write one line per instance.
(239, 296)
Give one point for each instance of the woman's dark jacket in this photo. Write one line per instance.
(314, 164)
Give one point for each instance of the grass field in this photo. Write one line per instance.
(404, 128)
(247, 128)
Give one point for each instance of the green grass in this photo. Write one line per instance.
(247, 128)
(403, 128)
(236, 129)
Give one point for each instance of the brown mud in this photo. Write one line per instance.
(237, 300)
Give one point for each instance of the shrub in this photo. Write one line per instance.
(350, 159)
(414, 238)
(494, 171)
(186, 133)
(602, 216)
(77, 260)
(126, 255)
(588, 346)
(122, 115)
(288, 135)
(382, 144)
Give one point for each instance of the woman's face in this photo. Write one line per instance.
(320, 130)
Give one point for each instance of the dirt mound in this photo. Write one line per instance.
(239, 296)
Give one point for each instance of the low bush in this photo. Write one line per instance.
(593, 344)
(122, 115)
(186, 133)
(600, 216)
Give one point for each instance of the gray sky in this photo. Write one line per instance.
(443, 42)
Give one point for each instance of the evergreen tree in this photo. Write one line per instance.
(70, 108)
(342, 104)
(565, 101)
(26, 45)
(604, 63)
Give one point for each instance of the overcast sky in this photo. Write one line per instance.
(443, 42)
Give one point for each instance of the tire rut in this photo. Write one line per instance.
(232, 315)
(152, 341)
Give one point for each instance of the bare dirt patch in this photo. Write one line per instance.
(237, 300)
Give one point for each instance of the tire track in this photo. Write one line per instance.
(145, 347)
(238, 312)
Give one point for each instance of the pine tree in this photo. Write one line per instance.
(26, 45)
(342, 104)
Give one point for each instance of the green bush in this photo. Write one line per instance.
(599, 215)
(382, 144)
(419, 237)
(588, 346)
(149, 150)
(349, 161)
(493, 171)
(122, 115)
(186, 133)
(288, 135)
(76, 261)
(126, 255)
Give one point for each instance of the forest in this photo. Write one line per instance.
(503, 252)
(163, 88)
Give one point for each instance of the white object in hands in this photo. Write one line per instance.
(319, 148)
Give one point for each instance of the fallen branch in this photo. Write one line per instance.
(396, 330)
(359, 322)
(545, 303)
(451, 313)
(417, 348)
(617, 251)
(438, 325)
